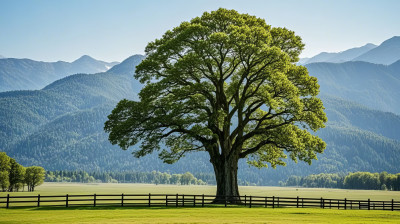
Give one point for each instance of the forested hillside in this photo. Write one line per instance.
(349, 114)
(373, 85)
(61, 128)
(26, 74)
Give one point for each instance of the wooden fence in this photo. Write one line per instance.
(181, 200)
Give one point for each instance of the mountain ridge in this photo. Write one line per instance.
(339, 57)
(27, 74)
(128, 65)
(386, 53)
(372, 85)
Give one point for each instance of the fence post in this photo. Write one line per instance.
(345, 204)
(278, 202)
(122, 200)
(322, 205)
(250, 201)
(297, 202)
(266, 202)
(38, 200)
(66, 201)
(359, 204)
(392, 204)
(302, 202)
(202, 201)
(149, 199)
(245, 200)
(176, 200)
(194, 200)
(369, 204)
(183, 200)
(8, 201)
(273, 201)
(166, 200)
(94, 200)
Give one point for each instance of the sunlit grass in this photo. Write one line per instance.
(194, 215)
(77, 188)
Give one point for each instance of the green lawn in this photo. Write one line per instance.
(197, 215)
(76, 188)
(194, 215)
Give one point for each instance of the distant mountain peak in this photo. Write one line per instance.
(84, 58)
(370, 45)
(339, 57)
(134, 58)
(26, 74)
(393, 40)
(386, 53)
(128, 65)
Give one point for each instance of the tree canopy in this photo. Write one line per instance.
(225, 83)
(34, 176)
(13, 176)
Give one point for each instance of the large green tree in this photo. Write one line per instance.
(225, 83)
(34, 176)
(16, 176)
(4, 162)
(4, 182)
(4, 171)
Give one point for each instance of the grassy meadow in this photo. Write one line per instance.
(194, 215)
(234, 214)
(105, 188)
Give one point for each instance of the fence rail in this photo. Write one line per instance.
(182, 200)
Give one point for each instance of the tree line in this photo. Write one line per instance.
(155, 177)
(357, 180)
(14, 176)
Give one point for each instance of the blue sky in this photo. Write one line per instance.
(51, 30)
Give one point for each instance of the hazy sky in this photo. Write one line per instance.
(51, 30)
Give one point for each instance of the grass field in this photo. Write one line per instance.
(77, 188)
(197, 215)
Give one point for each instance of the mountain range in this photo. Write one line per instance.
(388, 52)
(26, 74)
(60, 126)
(339, 57)
(376, 86)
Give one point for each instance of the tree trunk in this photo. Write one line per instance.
(226, 177)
